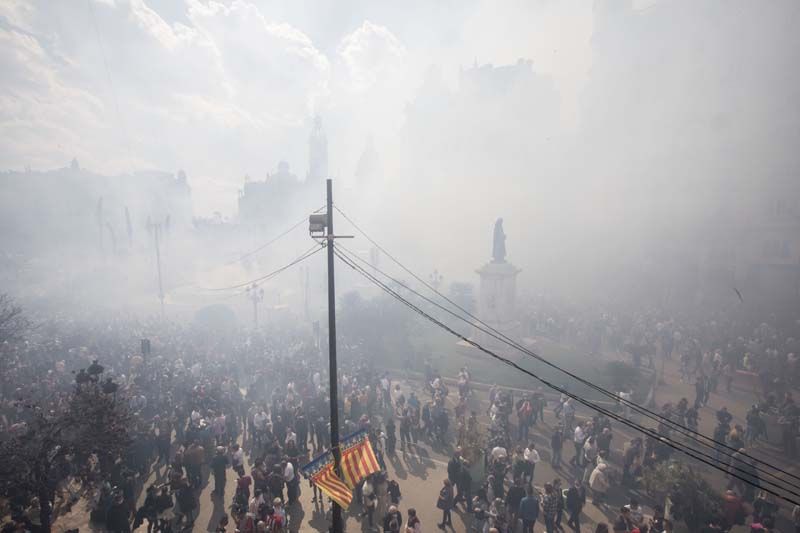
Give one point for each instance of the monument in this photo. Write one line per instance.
(498, 292)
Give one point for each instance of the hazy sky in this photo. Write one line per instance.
(228, 88)
(637, 126)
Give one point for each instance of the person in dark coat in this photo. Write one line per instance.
(445, 503)
(576, 499)
(117, 517)
(393, 521)
(219, 464)
(187, 503)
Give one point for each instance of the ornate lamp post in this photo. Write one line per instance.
(436, 280)
(256, 295)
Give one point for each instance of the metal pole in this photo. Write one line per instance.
(336, 515)
(305, 294)
(255, 310)
(156, 231)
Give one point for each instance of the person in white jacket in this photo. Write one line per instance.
(598, 482)
(531, 456)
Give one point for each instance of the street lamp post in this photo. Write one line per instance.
(256, 295)
(156, 229)
(436, 280)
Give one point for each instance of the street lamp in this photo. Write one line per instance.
(256, 295)
(436, 280)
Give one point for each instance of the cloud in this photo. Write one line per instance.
(120, 88)
(370, 53)
(222, 88)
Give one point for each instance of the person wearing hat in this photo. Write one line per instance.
(219, 464)
(393, 521)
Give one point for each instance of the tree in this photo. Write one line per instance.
(692, 499)
(13, 322)
(13, 325)
(82, 439)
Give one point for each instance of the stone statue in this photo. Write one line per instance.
(499, 243)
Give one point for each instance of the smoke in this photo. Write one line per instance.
(627, 145)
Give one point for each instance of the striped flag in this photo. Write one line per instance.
(358, 458)
(321, 473)
(329, 483)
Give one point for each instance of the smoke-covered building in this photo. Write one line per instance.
(481, 120)
(685, 138)
(281, 195)
(72, 206)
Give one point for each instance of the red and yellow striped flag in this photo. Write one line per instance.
(358, 459)
(329, 483)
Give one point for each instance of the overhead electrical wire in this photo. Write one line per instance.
(248, 254)
(302, 257)
(734, 466)
(694, 439)
(274, 239)
(688, 432)
(695, 454)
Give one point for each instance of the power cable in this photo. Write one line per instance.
(302, 257)
(401, 284)
(274, 239)
(248, 254)
(651, 433)
(686, 431)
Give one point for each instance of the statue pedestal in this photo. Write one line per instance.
(497, 302)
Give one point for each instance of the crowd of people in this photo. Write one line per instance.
(254, 408)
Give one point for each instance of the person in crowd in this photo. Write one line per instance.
(636, 513)
(559, 492)
(413, 525)
(599, 483)
(624, 522)
(531, 459)
(578, 440)
(550, 507)
(369, 501)
(237, 459)
(576, 499)
(556, 445)
(219, 464)
(529, 510)
(445, 503)
(514, 496)
(393, 520)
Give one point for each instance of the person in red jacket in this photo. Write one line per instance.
(733, 509)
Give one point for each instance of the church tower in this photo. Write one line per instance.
(317, 153)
